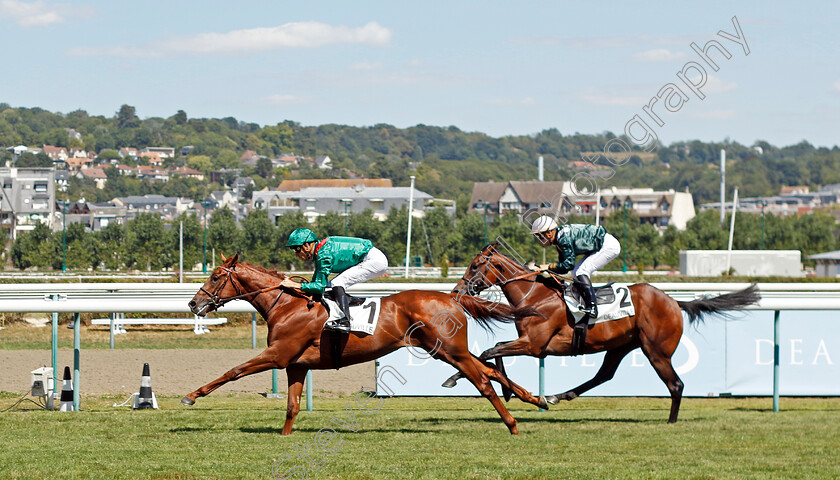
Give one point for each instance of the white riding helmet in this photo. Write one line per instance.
(543, 224)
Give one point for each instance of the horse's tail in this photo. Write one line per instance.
(697, 309)
(486, 314)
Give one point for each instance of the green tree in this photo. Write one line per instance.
(258, 237)
(145, 242)
(126, 117)
(222, 233)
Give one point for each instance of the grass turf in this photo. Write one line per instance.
(238, 436)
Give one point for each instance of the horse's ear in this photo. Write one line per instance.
(229, 261)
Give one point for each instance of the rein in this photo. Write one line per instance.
(218, 301)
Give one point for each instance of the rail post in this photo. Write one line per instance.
(776, 337)
(77, 353)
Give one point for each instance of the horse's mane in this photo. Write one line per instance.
(273, 273)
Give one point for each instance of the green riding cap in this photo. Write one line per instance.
(301, 236)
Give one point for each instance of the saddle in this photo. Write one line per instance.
(338, 339)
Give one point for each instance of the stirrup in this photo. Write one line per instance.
(341, 325)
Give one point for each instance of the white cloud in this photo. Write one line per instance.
(658, 55)
(289, 35)
(39, 13)
(715, 84)
(278, 99)
(614, 101)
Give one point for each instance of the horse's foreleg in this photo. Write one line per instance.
(474, 370)
(262, 362)
(611, 361)
(506, 383)
(521, 345)
(295, 375)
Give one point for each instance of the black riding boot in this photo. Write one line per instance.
(343, 301)
(587, 294)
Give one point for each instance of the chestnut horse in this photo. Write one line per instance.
(656, 328)
(297, 342)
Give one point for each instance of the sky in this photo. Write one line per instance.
(501, 68)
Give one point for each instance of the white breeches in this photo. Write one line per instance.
(375, 264)
(597, 260)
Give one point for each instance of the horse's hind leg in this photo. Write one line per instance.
(611, 362)
(295, 375)
(262, 362)
(663, 367)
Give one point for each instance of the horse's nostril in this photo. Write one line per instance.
(192, 303)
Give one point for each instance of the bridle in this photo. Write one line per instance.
(217, 301)
(470, 282)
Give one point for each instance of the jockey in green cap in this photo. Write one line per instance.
(356, 260)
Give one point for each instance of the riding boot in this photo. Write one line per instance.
(343, 301)
(587, 294)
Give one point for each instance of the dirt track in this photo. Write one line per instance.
(173, 372)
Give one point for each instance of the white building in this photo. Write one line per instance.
(27, 198)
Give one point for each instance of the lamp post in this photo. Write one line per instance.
(204, 204)
(763, 204)
(345, 202)
(64, 235)
(624, 238)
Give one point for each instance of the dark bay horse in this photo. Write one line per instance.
(297, 342)
(656, 328)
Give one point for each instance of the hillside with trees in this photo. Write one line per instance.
(446, 162)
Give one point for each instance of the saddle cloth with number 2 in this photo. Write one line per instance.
(614, 302)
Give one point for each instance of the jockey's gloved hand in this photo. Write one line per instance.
(532, 266)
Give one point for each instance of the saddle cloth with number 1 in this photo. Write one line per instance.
(365, 316)
(614, 302)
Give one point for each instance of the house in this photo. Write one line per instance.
(56, 154)
(162, 152)
(314, 202)
(153, 174)
(153, 158)
(129, 152)
(286, 160)
(27, 198)
(295, 185)
(93, 216)
(62, 180)
(659, 208)
(75, 164)
(240, 184)
(186, 150)
(96, 174)
(828, 263)
(222, 199)
(167, 207)
(78, 153)
(188, 172)
(324, 162)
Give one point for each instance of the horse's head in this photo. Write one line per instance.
(488, 268)
(222, 284)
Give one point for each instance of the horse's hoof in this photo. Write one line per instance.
(543, 403)
(551, 399)
(449, 383)
(187, 401)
